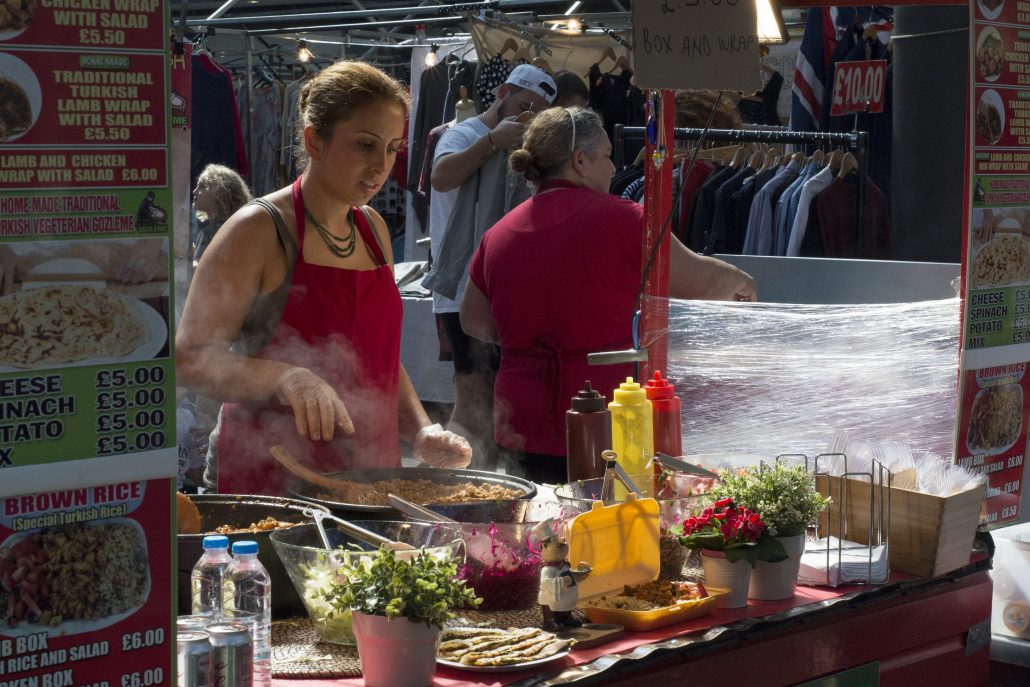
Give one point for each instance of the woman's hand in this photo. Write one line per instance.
(436, 446)
(747, 290)
(317, 409)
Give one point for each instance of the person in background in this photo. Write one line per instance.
(557, 278)
(572, 90)
(219, 193)
(760, 106)
(470, 193)
(294, 321)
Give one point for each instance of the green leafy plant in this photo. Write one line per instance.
(734, 530)
(784, 495)
(424, 589)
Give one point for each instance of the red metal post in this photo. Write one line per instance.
(654, 318)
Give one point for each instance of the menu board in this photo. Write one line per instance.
(992, 431)
(90, 577)
(87, 390)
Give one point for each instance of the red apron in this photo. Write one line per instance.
(345, 326)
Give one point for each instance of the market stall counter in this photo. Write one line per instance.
(913, 631)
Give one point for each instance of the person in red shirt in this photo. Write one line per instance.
(557, 278)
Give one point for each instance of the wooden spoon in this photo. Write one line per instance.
(285, 459)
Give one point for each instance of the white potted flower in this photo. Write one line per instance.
(786, 498)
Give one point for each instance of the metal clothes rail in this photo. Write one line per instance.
(855, 141)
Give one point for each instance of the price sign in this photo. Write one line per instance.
(858, 87)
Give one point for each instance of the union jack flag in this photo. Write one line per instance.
(813, 76)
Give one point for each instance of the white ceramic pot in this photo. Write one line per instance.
(779, 580)
(397, 652)
(731, 579)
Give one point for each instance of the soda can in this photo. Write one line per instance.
(232, 655)
(194, 659)
(189, 623)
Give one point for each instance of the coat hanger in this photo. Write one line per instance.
(622, 63)
(523, 54)
(464, 108)
(756, 159)
(817, 157)
(739, 157)
(833, 160)
(848, 164)
(798, 157)
(541, 63)
(510, 44)
(608, 54)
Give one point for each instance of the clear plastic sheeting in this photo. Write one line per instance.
(774, 378)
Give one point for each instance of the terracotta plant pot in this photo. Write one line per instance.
(731, 579)
(397, 652)
(779, 580)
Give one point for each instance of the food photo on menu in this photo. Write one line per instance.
(20, 97)
(990, 54)
(990, 118)
(73, 578)
(1001, 247)
(83, 302)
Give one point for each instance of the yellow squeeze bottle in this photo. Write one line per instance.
(632, 434)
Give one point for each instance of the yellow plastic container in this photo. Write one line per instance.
(632, 432)
(620, 543)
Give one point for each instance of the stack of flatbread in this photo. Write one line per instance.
(485, 646)
(62, 324)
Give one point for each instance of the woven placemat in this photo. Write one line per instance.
(297, 651)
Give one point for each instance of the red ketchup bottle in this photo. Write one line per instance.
(665, 411)
(588, 432)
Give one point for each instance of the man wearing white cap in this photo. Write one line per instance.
(469, 177)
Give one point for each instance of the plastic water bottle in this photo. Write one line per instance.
(247, 600)
(206, 578)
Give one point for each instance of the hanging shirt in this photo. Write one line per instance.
(811, 188)
(759, 237)
(781, 218)
(742, 208)
(722, 221)
(838, 220)
(704, 207)
(491, 75)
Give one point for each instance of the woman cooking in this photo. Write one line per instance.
(293, 320)
(556, 279)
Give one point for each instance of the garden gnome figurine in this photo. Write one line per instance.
(558, 580)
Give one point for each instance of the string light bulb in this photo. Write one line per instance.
(303, 54)
(431, 57)
(575, 24)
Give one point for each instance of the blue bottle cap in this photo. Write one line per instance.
(244, 547)
(216, 541)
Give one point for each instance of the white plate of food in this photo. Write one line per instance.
(120, 589)
(995, 420)
(129, 331)
(493, 650)
(990, 118)
(990, 9)
(990, 54)
(21, 95)
(504, 668)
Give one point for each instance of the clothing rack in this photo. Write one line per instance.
(855, 141)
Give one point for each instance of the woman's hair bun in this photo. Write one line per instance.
(519, 159)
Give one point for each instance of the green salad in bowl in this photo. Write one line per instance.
(315, 570)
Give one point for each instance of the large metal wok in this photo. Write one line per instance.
(496, 510)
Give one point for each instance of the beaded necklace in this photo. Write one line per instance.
(340, 246)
